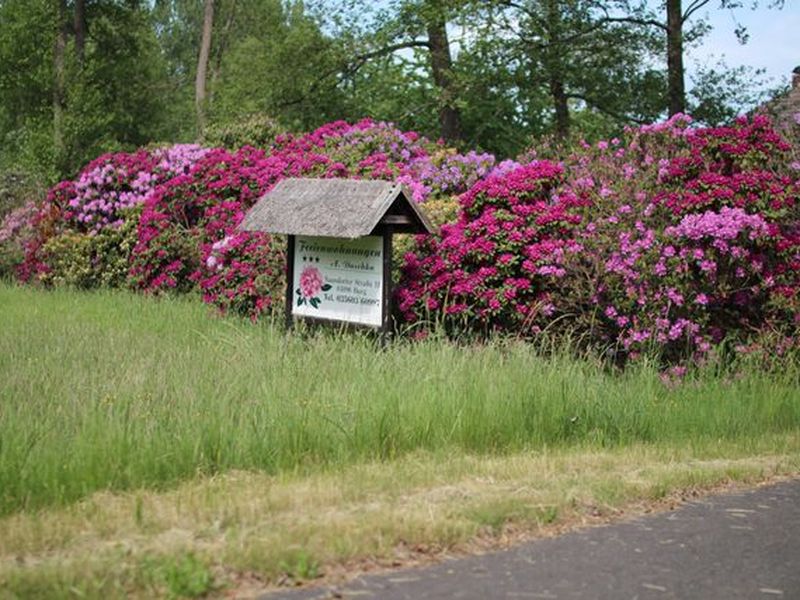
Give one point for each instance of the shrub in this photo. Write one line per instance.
(103, 197)
(116, 182)
(381, 151)
(697, 245)
(669, 241)
(257, 130)
(499, 266)
(187, 234)
(89, 260)
(16, 231)
(183, 219)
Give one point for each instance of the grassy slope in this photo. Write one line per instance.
(189, 434)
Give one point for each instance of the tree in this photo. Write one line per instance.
(59, 81)
(76, 79)
(202, 66)
(276, 61)
(677, 28)
(80, 31)
(570, 51)
(418, 27)
(442, 71)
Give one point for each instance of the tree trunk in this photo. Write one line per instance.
(80, 30)
(202, 67)
(441, 67)
(59, 83)
(553, 64)
(675, 76)
(220, 45)
(559, 96)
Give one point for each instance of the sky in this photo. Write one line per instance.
(774, 43)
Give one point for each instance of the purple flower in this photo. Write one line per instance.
(727, 224)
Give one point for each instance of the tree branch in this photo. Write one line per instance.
(636, 21)
(602, 109)
(392, 48)
(693, 7)
(352, 67)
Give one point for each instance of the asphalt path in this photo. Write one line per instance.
(727, 547)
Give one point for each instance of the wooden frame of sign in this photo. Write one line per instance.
(339, 246)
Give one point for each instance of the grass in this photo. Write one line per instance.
(148, 447)
(245, 531)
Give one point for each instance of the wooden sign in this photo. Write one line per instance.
(339, 245)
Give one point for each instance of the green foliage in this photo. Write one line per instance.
(187, 577)
(278, 62)
(10, 257)
(307, 63)
(26, 94)
(566, 52)
(301, 566)
(90, 260)
(257, 130)
(720, 93)
(114, 98)
(183, 574)
(18, 187)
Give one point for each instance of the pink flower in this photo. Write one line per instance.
(311, 282)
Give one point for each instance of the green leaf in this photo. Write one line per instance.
(300, 301)
(315, 302)
(326, 287)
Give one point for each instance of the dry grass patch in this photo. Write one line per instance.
(243, 532)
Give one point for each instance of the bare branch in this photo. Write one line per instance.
(693, 7)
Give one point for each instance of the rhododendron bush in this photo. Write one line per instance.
(187, 233)
(187, 201)
(16, 231)
(669, 240)
(99, 204)
(499, 266)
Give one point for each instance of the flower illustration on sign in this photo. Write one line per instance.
(311, 284)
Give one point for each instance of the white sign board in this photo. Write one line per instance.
(339, 279)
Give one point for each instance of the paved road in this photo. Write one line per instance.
(729, 547)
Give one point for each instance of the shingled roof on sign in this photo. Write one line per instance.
(344, 208)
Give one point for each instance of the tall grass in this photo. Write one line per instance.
(112, 391)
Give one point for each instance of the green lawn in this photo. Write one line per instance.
(113, 400)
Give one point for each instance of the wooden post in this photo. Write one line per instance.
(386, 324)
(289, 281)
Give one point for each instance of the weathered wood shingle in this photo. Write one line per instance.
(344, 208)
(783, 108)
